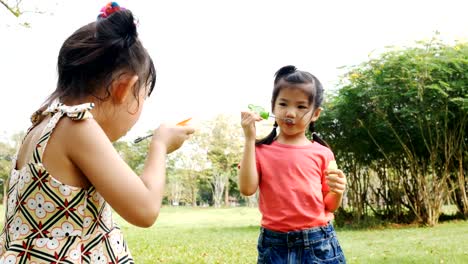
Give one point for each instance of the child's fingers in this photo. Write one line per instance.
(243, 115)
(336, 186)
(340, 189)
(251, 116)
(183, 132)
(336, 181)
(188, 130)
(336, 178)
(337, 172)
(247, 121)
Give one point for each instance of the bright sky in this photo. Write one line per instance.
(217, 56)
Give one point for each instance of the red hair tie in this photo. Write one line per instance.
(109, 9)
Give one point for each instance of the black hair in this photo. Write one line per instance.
(98, 53)
(290, 75)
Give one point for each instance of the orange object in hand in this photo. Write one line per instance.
(183, 123)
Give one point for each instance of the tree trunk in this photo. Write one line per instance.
(226, 192)
(5, 192)
(217, 188)
(460, 192)
(194, 197)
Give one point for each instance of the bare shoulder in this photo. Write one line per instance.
(85, 138)
(72, 134)
(66, 141)
(91, 151)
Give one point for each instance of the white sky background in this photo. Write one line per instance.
(216, 56)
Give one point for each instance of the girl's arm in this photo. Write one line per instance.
(248, 175)
(136, 199)
(332, 201)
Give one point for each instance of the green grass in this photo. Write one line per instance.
(445, 243)
(208, 235)
(196, 235)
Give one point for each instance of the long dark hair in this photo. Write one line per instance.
(98, 53)
(291, 75)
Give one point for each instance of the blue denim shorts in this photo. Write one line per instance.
(315, 245)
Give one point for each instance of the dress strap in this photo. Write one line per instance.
(57, 110)
(75, 112)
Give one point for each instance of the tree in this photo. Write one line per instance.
(7, 151)
(174, 186)
(14, 9)
(133, 154)
(190, 163)
(18, 9)
(224, 151)
(399, 125)
(6, 155)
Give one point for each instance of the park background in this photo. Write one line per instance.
(395, 115)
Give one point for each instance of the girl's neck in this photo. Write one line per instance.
(295, 140)
(103, 112)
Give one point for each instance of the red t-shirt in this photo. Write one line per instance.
(292, 185)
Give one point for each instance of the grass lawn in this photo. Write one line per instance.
(208, 235)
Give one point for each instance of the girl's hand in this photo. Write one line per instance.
(336, 180)
(172, 137)
(248, 120)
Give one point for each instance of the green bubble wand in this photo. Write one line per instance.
(265, 114)
(260, 111)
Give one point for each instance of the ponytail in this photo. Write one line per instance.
(268, 139)
(271, 137)
(315, 136)
(289, 76)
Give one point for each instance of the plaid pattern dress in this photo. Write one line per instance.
(47, 221)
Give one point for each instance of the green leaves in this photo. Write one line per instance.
(405, 111)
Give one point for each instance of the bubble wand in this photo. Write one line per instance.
(181, 123)
(265, 114)
(260, 111)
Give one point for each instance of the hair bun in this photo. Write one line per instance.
(117, 25)
(109, 9)
(285, 70)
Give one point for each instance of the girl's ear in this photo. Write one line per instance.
(316, 114)
(122, 87)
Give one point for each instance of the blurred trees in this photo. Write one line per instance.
(397, 125)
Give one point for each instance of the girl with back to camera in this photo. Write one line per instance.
(298, 194)
(67, 176)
